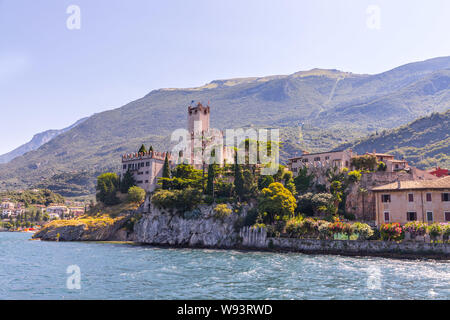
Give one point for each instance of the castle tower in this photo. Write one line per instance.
(198, 113)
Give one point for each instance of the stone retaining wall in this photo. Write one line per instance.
(257, 239)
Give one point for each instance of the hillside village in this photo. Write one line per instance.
(17, 214)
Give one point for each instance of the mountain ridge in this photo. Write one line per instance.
(333, 111)
(36, 141)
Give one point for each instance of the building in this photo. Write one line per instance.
(76, 211)
(146, 168)
(391, 163)
(202, 139)
(339, 159)
(8, 205)
(57, 211)
(416, 200)
(6, 213)
(439, 172)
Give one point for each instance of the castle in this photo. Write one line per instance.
(201, 140)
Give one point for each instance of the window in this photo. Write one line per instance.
(429, 216)
(124, 166)
(447, 216)
(411, 216)
(327, 158)
(410, 197)
(446, 197)
(396, 166)
(146, 181)
(147, 164)
(142, 164)
(305, 160)
(139, 182)
(428, 197)
(317, 159)
(386, 216)
(294, 169)
(385, 198)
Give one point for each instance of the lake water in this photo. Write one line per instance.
(38, 270)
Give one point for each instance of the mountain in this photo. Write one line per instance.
(37, 141)
(424, 142)
(334, 108)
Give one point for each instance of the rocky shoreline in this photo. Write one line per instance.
(202, 230)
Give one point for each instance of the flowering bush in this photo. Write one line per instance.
(415, 228)
(309, 226)
(221, 211)
(324, 229)
(391, 231)
(337, 227)
(363, 230)
(293, 227)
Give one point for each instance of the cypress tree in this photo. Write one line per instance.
(166, 172)
(238, 179)
(127, 182)
(142, 149)
(210, 182)
(150, 149)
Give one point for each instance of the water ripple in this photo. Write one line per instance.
(37, 270)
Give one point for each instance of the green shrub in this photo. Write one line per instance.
(381, 166)
(251, 217)
(136, 194)
(354, 176)
(435, 230)
(181, 200)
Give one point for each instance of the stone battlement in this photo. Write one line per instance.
(147, 155)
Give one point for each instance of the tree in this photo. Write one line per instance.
(304, 180)
(276, 202)
(150, 149)
(183, 176)
(265, 182)
(142, 149)
(107, 185)
(127, 182)
(364, 162)
(289, 182)
(210, 181)
(238, 179)
(136, 194)
(166, 172)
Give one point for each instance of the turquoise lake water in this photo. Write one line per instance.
(38, 270)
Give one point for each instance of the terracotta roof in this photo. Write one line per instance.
(316, 153)
(442, 183)
(379, 154)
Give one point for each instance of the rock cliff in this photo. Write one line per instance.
(194, 229)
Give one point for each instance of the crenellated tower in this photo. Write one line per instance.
(200, 114)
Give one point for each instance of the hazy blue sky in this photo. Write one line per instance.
(51, 76)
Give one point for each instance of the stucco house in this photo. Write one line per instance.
(418, 200)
